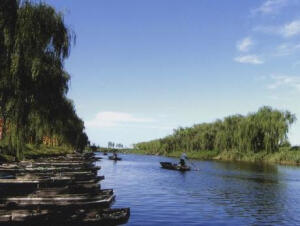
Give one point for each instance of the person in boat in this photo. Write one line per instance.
(115, 154)
(183, 159)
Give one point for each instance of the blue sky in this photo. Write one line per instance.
(141, 68)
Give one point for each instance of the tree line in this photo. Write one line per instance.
(111, 144)
(265, 130)
(34, 43)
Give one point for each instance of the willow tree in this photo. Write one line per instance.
(8, 17)
(264, 130)
(34, 42)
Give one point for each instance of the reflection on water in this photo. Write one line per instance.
(219, 193)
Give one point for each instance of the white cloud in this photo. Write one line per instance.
(116, 119)
(249, 59)
(284, 81)
(286, 49)
(291, 29)
(288, 30)
(271, 6)
(245, 44)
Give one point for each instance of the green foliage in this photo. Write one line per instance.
(235, 136)
(34, 42)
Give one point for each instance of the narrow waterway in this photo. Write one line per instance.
(218, 193)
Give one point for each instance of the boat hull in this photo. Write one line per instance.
(114, 158)
(172, 166)
(65, 217)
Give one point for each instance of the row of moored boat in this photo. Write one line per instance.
(57, 191)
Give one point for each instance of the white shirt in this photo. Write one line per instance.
(183, 156)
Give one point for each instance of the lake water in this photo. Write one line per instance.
(219, 193)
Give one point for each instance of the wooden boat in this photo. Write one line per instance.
(48, 169)
(63, 181)
(84, 175)
(79, 188)
(70, 158)
(26, 186)
(30, 183)
(87, 181)
(63, 164)
(89, 155)
(8, 187)
(7, 176)
(114, 158)
(20, 217)
(102, 217)
(53, 192)
(70, 189)
(59, 201)
(172, 166)
(60, 217)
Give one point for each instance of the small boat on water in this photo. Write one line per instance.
(114, 158)
(173, 166)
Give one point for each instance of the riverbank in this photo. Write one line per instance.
(285, 155)
(38, 151)
(33, 151)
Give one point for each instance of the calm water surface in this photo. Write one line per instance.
(220, 193)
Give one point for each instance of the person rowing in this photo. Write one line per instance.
(183, 159)
(115, 154)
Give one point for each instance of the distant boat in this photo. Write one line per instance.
(172, 166)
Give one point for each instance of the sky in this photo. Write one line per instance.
(141, 68)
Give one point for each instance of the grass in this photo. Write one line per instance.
(286, 156)
(204, 155)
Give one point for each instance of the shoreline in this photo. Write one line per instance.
(283, 157)
(33, 152)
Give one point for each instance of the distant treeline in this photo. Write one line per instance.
(263, 131)
(34, 42)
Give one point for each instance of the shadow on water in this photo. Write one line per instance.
(260, 173)
(248, 167)
(250, 191)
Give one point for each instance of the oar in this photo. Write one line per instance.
(196, 169)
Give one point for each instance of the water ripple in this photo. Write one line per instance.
(220, 193)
